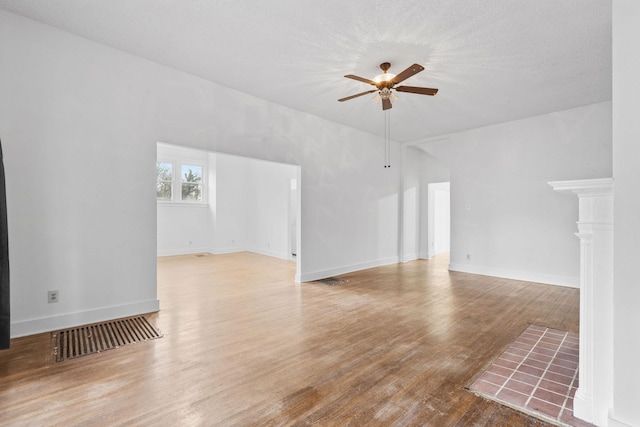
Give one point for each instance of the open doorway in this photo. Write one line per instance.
(293, 219)
(439, 226)
(246, 205)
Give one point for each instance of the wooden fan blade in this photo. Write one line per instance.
(416, 89)
(355, 96)
(414, 69)
(360, 79)
(386, 104)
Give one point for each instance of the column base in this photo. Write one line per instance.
(583, 406)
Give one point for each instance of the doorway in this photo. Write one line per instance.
(439, 214)
(293, 218)
(247, 205)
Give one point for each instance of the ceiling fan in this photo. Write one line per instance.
(387, 82)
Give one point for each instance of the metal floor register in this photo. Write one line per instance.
(95, 338)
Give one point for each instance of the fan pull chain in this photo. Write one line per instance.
(387, 139)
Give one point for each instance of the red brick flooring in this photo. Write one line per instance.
(537, 374)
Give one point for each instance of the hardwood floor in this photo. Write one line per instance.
(244, 345)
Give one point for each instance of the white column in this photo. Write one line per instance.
(594, 397)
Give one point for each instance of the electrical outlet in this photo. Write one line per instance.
(468, 256)
(52, 296)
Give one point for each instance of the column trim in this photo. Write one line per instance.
(594, 396)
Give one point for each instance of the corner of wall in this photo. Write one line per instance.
(524, 276)
(409, 257)
(322, 274)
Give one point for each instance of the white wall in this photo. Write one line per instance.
(79, 124)
(411, 212)
(269, 208)
(251, 206)
(80, 202)
(183, 229)
(231, 214)
(504, 216)
(626, 173)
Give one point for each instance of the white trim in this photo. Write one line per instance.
(525, 276)
(594, 397)
(166, 204)
(227, 250)
(617, 423)
(179, 156)
(187, 251)
(223, 251)
(583, 405)
(53, 323)
(584, 186)
(204, 182)
(409, 257)
(322, 274)
(270, 253)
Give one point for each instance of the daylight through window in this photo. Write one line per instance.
(180, 182)
(192, 183)
(164, 183)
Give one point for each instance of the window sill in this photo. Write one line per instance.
(182, 205)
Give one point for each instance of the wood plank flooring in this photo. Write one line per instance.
(244, 345)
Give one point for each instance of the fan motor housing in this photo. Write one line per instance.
(385, 83)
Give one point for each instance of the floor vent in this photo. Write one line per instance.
(89, 339)
(332, 281)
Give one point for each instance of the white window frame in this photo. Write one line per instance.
(173, 179)
(176, 188)
(202, 183)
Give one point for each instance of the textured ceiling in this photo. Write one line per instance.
(493, 60)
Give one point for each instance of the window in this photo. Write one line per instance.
(164, 183)
(180, 182)
(192, 183)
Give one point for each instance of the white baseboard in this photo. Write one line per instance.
(525, 276)
(235, 249)
(69, 320)
(227, 250)
(191, 251)
(583, 406)
(223, 251)
(267, 252)
(184, 251)
(322, 274)
(617, 423)
(430, 254)
(409, 257)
